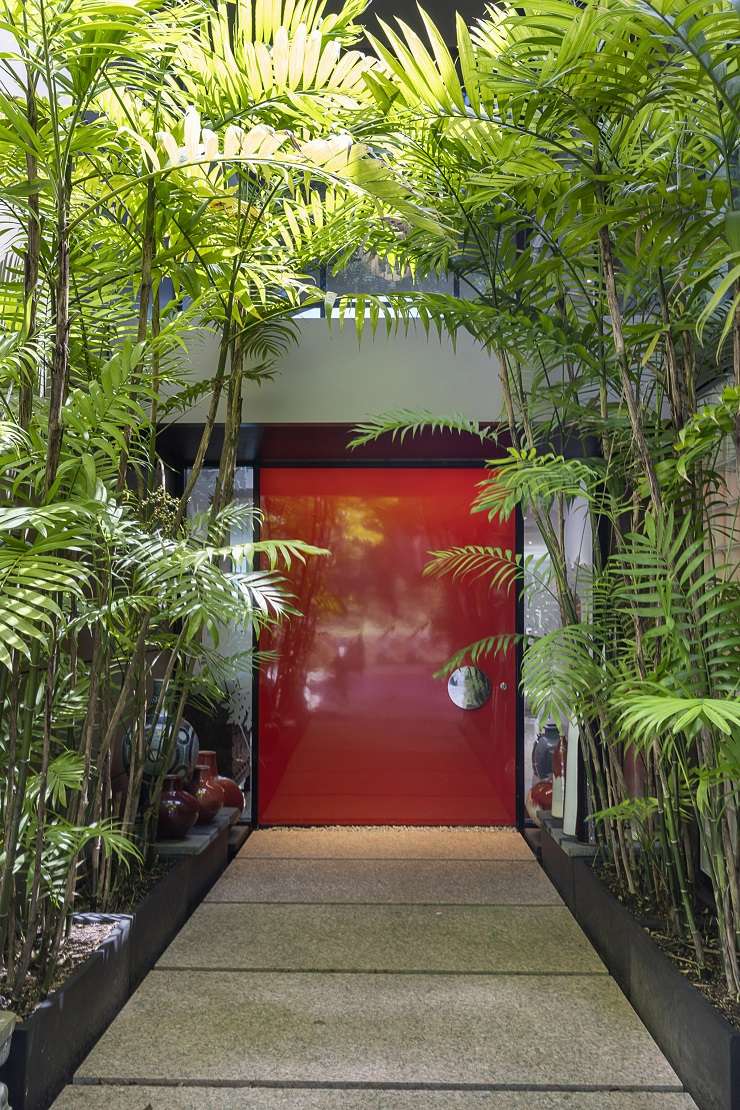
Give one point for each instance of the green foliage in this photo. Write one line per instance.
(488, 647)
(499, 567)
(583, 161)
(521, 479)
(206, 149)
(404, 422)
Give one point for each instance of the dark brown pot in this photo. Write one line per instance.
(208, 795)
(178, 810)
(233, 796)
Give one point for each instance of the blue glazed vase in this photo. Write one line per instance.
(543, 750)
(185, 752)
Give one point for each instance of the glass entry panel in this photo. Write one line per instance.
(353, 726)
(234, 644)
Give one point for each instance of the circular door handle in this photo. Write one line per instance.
(503, 685)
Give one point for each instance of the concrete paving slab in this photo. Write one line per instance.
(573, 1030)
(471, 882)
(221, 1098)
(387, 842)
(383, 938)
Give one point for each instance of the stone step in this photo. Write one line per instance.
(387, 842)
(382, 938)
(470, 882)
(222, 1098)
(354, 1029)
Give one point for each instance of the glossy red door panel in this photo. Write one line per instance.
(353, 726)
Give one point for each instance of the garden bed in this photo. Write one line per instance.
(701, 1045)
(51, 1042)
(57, 1035)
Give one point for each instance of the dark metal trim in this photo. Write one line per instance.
(519, 626)
(255, 751)
(320, 445)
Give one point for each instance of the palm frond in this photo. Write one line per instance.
(401, 423)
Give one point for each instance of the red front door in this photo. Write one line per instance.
(353, 726)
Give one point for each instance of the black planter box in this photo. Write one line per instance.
(610, 927)
(702, 1047)
(559, 868)
(157, 918)
(48, 1046)
(206, 867)
(46, 1049)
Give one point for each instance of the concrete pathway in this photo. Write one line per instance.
(378, 969)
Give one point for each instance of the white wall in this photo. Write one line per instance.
(328, 377)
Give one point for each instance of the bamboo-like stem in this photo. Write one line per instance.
(148, 249)
(628, 390)
(736, 375)
(227, 467)
(24, 961)
(149, 823)
(674, 845)
(216, 391)
(676, 397)
(7, 907)
(60, 358)
(32, 256)
(139, 743)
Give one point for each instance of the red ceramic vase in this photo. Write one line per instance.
(178, 810)
(541, 794)
(208, 795)
(233, 796)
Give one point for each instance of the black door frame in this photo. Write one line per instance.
(324, 445)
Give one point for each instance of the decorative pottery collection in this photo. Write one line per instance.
(548, 765)
(193, 791)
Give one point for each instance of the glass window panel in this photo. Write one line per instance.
(233, 641)
(366, 273)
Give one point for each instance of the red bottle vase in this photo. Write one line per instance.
(208, 795)
(178, 810)
(233, 796)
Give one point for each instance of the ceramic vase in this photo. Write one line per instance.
(185, 753)
(178, 810)
(544, 747)
(233, 796)
(208, 795)
(541, 794)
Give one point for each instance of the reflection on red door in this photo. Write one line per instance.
(353, 726)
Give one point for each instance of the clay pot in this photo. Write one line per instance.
(178, 810)
(233, 796)
(541, 794)
(208, 795)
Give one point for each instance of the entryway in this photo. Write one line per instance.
(354, 728)
(379, 969)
